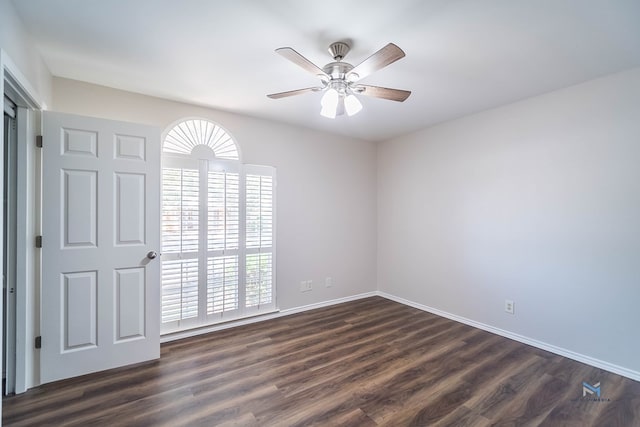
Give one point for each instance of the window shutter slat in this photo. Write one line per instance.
(223, 211)
(259, 211)
(179, 290)
(222, 284)
(259, 271)
(180, 207)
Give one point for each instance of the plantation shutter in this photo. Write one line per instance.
(218, 228)
(260, 229)
(223, 242)
(180, 238)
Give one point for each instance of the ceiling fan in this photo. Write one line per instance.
(339, 80)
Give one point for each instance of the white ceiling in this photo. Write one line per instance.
(463, 56)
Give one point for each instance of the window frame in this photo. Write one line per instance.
(205, 163)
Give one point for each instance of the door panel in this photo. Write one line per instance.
(101, 210)
(79, 220)
(80, 310)
(81, 143)
(130, 308)
(129, 209)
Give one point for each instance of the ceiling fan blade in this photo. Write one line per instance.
(293, 92)
(301, 61)
(385, 56)
(382, 92)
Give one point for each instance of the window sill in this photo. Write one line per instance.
(225, 324)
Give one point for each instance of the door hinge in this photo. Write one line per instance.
(39, 141)
(39, 342)
(38, 241)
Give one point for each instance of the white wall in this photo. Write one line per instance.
(326, 194)
(16, 42)
(538, 202)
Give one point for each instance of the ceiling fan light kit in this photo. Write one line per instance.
(340, 79)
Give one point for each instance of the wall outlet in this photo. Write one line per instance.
(328, 282)
(509, 306)
(306, 286)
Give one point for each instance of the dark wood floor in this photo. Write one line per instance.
(364, 363)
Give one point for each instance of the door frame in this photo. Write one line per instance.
(10, 138)
(14, 84)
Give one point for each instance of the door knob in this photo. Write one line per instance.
(152, 254)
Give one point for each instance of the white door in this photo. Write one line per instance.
(100, 222)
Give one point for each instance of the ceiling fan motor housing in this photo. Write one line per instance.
(338, 50)
(337, 70)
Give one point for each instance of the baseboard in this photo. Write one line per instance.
(260, 318)
(634, 375)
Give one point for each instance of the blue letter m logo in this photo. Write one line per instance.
(590, 389)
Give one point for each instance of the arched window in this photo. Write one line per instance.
(190, 134)
(218, 229)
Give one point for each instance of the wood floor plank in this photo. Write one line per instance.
(463, 417)
(495, 400)
(369, 362)
(531, 408)
(448, 388)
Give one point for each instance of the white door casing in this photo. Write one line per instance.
(10, 241)
(101, 217)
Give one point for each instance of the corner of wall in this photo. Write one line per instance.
(22, 57)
